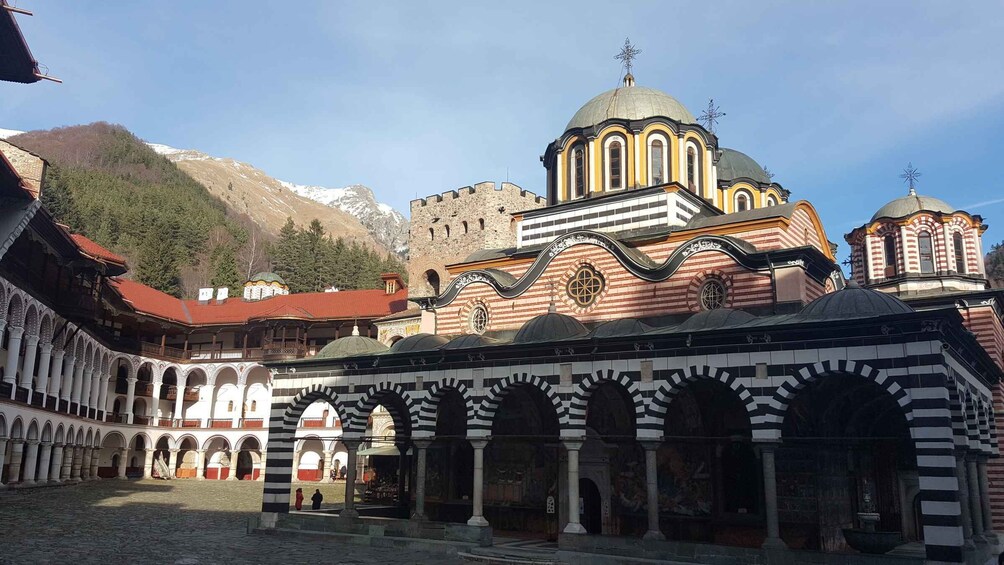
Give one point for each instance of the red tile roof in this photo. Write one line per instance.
(346, 304)
(96, 251)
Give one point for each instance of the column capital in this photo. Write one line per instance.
(650, 444)
(46, 347)
(32, 442)
(573, 444)
(479, 442)
(46, 443)
(15, 332)
(175, 450)
(31, 340)
(422, 443)
(132, 380)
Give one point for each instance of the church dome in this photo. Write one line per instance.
(736, 164)
(470, 340)
(549, 327)
(854, 302)
(911, 204)
(418, 342)
(266, 277)
(619, 328)
(630, 103)
(350, 346)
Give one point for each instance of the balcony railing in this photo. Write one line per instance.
(221, 423)
(170, 392)
(253, 423)
(276, 352)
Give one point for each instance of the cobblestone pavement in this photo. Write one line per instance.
(184, 522)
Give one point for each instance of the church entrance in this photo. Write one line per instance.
(449, 482)
(590, 507)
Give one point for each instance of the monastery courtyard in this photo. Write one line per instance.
(182, 522)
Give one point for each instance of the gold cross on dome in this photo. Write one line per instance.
(627, 55)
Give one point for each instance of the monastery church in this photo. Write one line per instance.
(657, 357)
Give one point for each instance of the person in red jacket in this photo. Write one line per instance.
(299, 499)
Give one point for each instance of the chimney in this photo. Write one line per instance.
(205, 295)
(222, 294)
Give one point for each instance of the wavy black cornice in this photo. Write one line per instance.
(640, 265)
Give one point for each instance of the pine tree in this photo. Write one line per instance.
(225, 270)
(158, 262)
(994, 263)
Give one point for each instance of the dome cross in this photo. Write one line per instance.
(627, 55)
(910, 176)
(710, 116)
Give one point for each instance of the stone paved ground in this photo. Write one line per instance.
(184, 522)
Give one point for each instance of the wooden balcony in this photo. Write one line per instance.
(284, 352)
(169, 392)
(221, 423)
(253, 423)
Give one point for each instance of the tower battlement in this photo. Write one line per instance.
(481, 188)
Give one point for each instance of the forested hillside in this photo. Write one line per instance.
(106, 183)
(994, 262)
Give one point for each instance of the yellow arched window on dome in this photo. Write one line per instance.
(658, 159)
(615, 165)
(693, 169)
(960, 253)
(743, 201)
(926, 248)
(577, 172)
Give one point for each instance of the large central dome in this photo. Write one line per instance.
(630, 103)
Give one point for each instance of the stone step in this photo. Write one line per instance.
(490, 556)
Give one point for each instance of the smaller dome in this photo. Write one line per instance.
(618, 328)
(911, 204)
(853, 302)
(736, 164)
(267, 277)
(715, 319)
(418, 342)
(470, 340)
(350, 346)
(550, 327)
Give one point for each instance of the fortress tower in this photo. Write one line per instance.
(449, 227)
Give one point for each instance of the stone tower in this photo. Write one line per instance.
(447, 228)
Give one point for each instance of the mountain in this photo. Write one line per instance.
(387, 225)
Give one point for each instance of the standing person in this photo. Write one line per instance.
(299, 499)
(316, 500)
(343, 471)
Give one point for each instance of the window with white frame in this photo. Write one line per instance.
(693, 168)
(743, 201)
(614, 153)
(577, 172)
(960, 252)
(658, 159)
(771, 201)
(926, 248)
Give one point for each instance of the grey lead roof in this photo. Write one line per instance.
(779, 211)
(910, 204)
(630, 103)
(736, 164)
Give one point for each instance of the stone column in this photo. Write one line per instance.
(155, 403)
(104, 383)
(239, 408)
(234, 455)
(988, 517)
(16, 454)
(421, 447)
(85, 463)
(350, 479)
(30, 462)
(261, 468)
(43, 462)
(200, 462)
(148, 464)
(78, 382)
(66, 468)
(773, 540)
(402, 470)
(296, 465)
(211, 389)
(172, 463)
(56, 465)
(120, 473)
(572, 447)
(130, 398)
(325, 463)
(56, 372)
(967, 517)
(43, 368)
(95, 463)
(13, 351)
(179, 401)
(3, 452)
(95, 398)
(477, 500)
(652, 489)
(28, 366)
(66, 385)
(76, 456)
(975, 503)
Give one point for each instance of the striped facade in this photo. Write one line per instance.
(940, 396)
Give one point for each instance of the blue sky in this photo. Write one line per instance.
(414, 98)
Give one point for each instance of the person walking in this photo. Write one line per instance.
(299, 499)
(316, 500)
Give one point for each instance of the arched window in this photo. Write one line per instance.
(693, 169)
(926, 248)
(230, 406)
(254, 405)
(614, 163)
(464, 224)
(432, 278)
(771, 201)
(432, 234)
(890, 256)
(743, 201)
(658, 159)
(481, 224)
(960, 253)
(578, 172)
(447, 232)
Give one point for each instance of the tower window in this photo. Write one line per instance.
(926, 253)
(614, 164)
(578, 171)
(656, 160)
(481, 224)
(960, 253)
(432, 234)
(890, 256)
(693, 169)
(447, 232)
(464, 224)
(742, 202)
